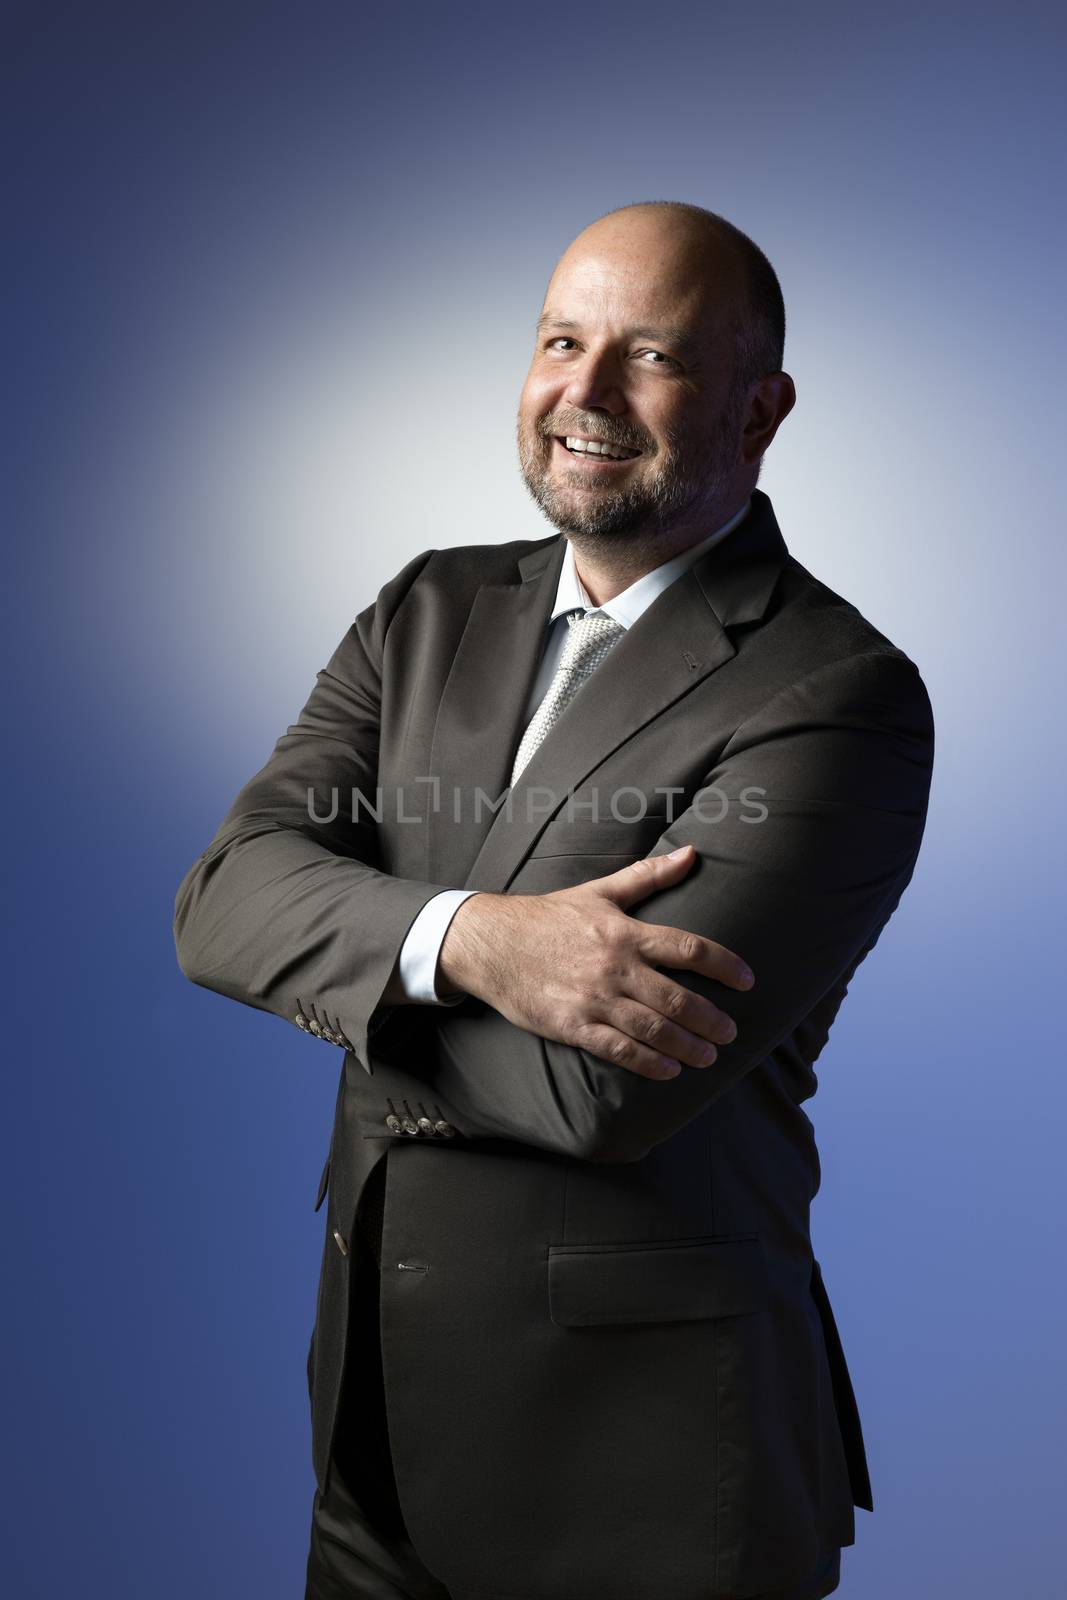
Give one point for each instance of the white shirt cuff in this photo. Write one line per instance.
(422, 946)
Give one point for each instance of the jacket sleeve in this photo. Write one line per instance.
(807, 833)
(287, 909)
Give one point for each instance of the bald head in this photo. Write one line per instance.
(719, 272)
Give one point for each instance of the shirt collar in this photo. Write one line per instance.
(626, 607)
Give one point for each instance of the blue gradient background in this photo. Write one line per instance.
(259, 248)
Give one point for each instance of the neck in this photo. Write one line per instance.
(605, 570)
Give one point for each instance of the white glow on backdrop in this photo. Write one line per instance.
(297, 464)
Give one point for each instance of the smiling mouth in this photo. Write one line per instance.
(582, 447)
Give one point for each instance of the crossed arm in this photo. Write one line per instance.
(843, 759)
(294, 915)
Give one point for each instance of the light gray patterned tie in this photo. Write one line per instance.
(589, 639)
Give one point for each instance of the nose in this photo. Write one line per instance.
(594, 383)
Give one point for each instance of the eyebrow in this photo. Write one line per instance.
(679, 338)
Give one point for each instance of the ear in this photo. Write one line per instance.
(770, 402)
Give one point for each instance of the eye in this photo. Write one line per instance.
(561, 338)
(662, 359)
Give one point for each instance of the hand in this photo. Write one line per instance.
(572, 966)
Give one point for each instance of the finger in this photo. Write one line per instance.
(630, 884)
(685, 1008)
(661, 1033)
(618, 1049)
(663, 946)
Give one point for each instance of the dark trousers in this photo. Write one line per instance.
(360, 1549)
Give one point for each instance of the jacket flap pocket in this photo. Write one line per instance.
(670, 1281)
(323, 1183)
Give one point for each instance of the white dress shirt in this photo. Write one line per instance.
(422, 945)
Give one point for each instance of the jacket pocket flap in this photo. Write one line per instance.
(679, 1280)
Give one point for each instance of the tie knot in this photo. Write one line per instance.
(589, 639)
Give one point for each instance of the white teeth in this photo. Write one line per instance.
(596, 447)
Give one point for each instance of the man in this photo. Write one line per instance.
(544, 804)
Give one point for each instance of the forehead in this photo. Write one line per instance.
(681, 291)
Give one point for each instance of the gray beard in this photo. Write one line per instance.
(692, 486)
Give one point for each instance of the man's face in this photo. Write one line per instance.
(635, 348)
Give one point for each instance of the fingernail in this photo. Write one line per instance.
(746, 977)
(682, 848)
(670, 1068)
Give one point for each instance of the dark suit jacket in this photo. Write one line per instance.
(611, 1365)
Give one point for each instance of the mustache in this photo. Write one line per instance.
(557, 425)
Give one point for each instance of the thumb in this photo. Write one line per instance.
(641, 878)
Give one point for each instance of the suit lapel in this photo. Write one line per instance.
(479, 718)
(674, 645)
